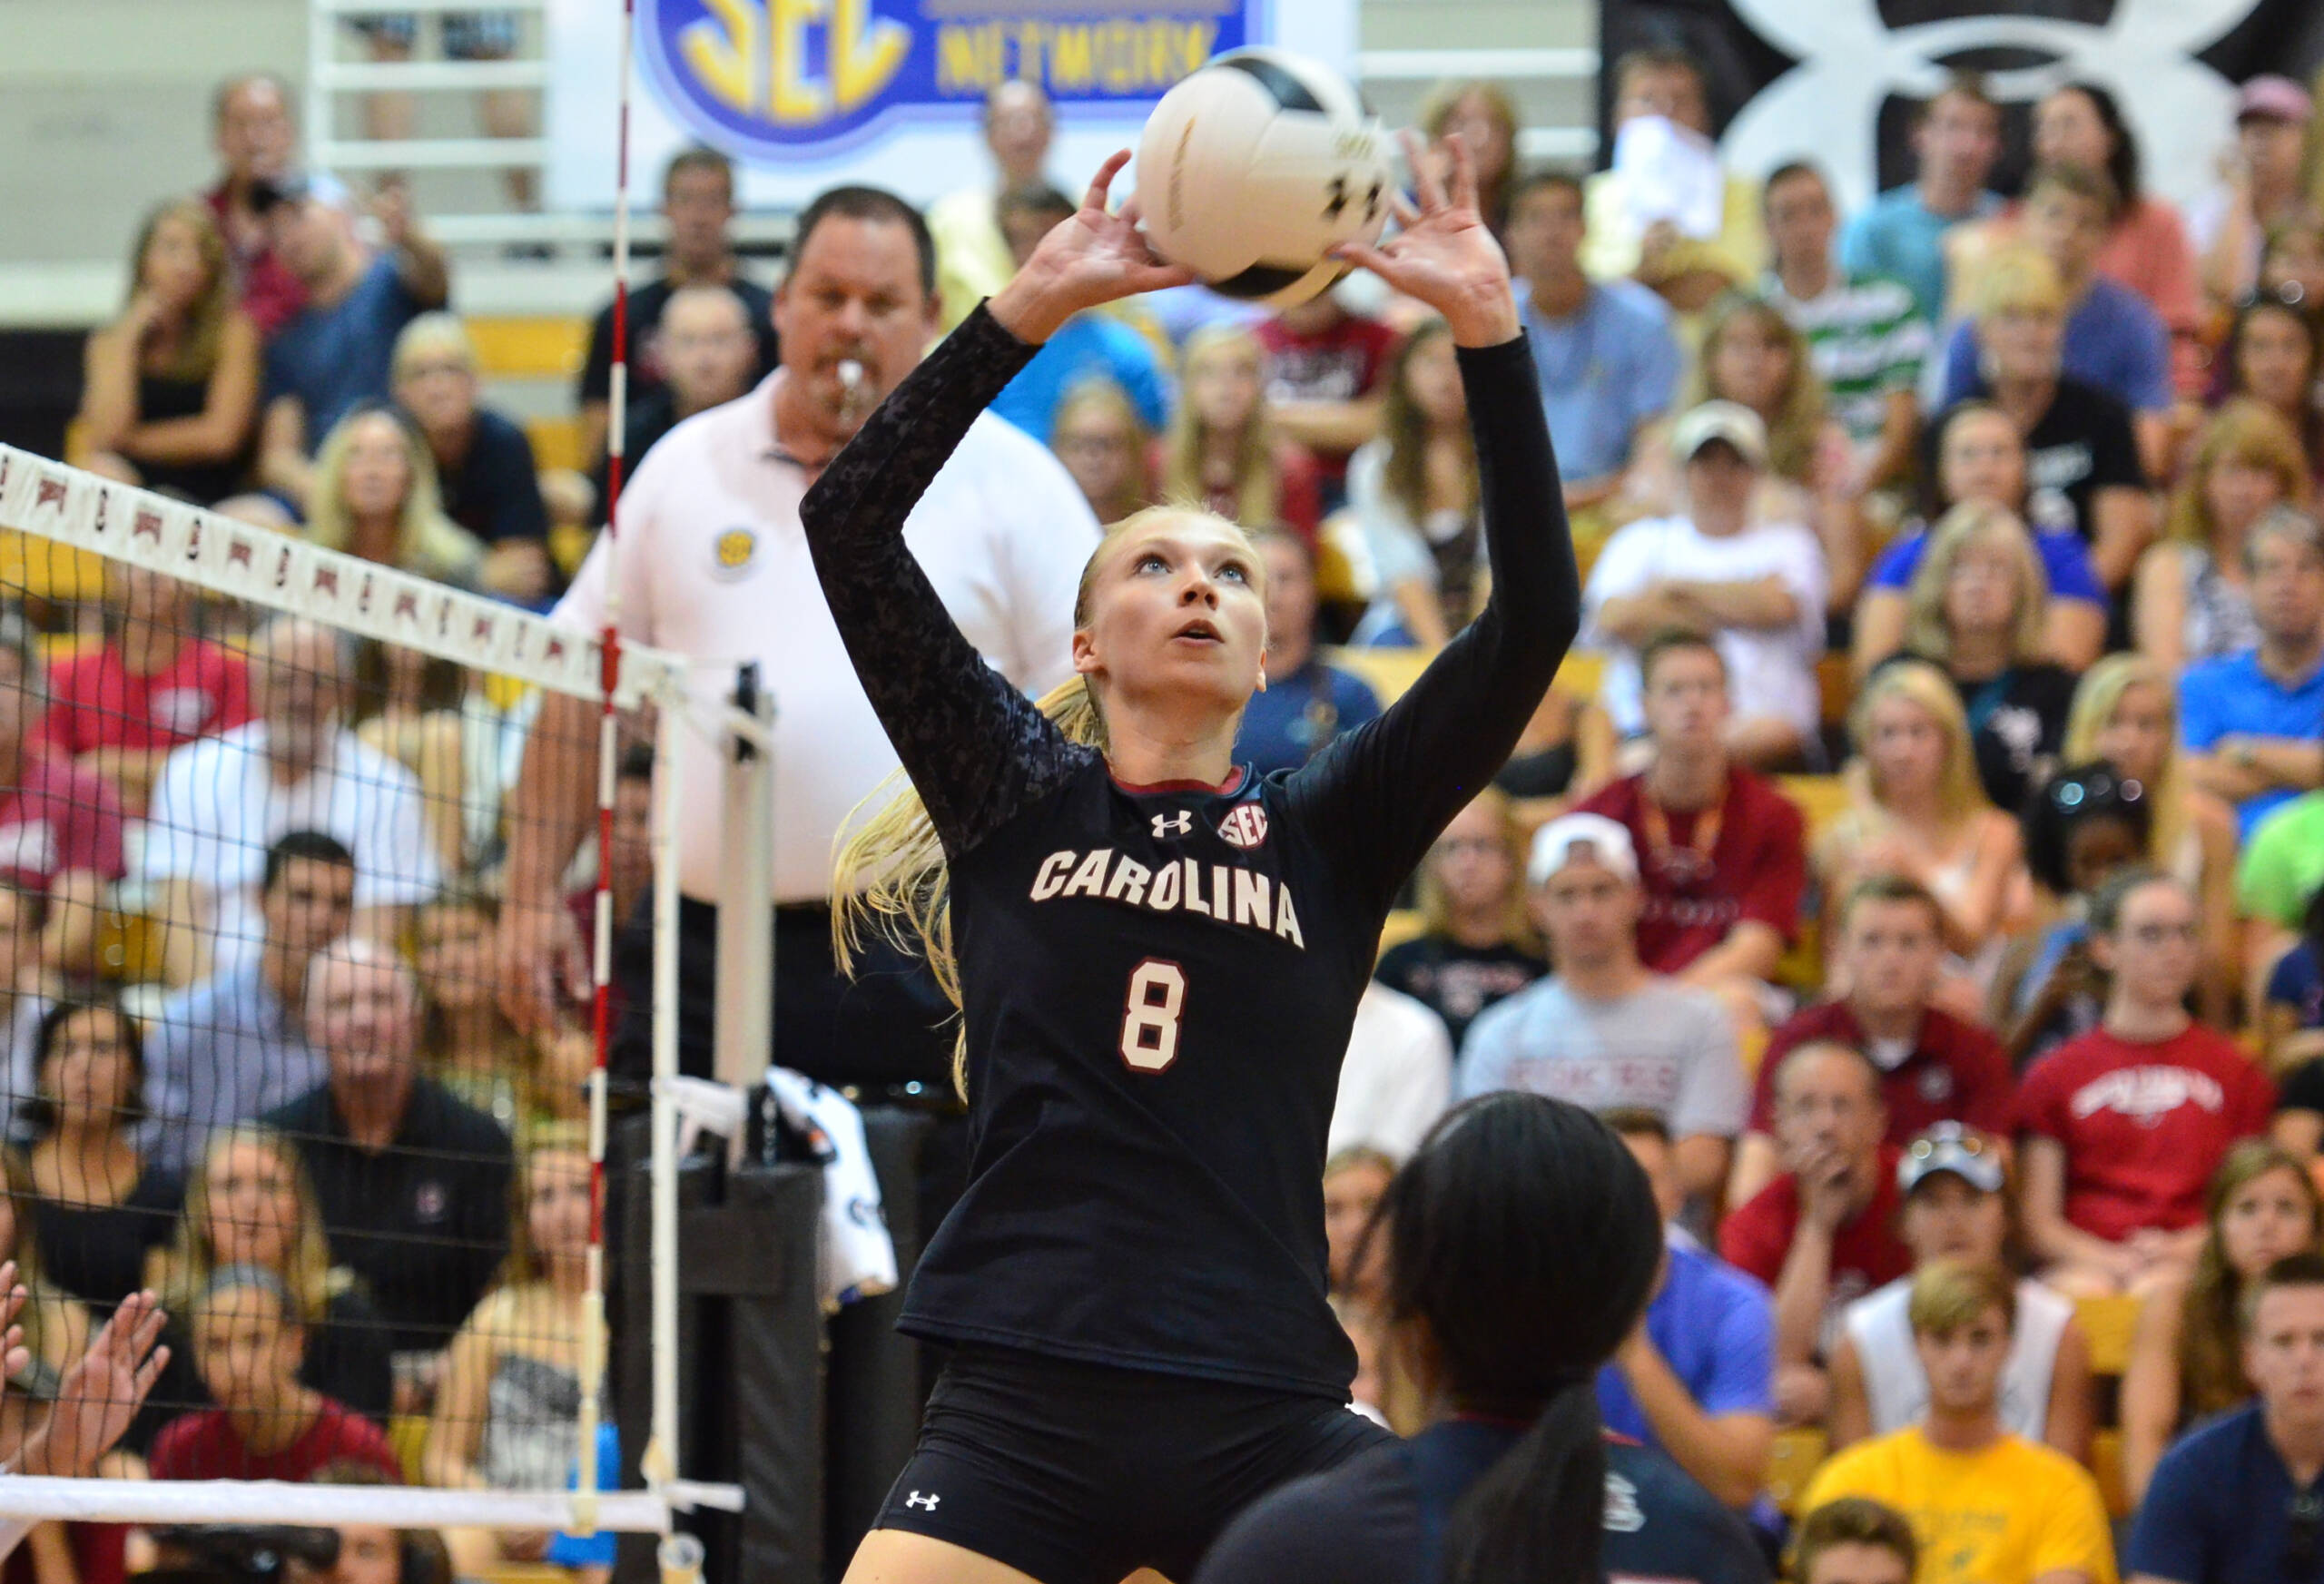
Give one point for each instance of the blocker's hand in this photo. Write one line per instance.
(102, 1391)
(1445, 256)
(1096, 257)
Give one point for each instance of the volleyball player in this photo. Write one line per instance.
(1157, 955)
(1523, 1243)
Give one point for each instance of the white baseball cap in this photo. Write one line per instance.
(1730, 421)
(1593, 838)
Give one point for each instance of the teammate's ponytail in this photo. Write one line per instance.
(1524, 1243)
(890, 878)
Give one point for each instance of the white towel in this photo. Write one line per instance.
(856, 1257)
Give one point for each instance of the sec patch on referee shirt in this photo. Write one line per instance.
(733, 553)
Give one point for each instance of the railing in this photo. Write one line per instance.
(331, 80)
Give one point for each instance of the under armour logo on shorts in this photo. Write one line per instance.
(1165, 826)
(917, 1500)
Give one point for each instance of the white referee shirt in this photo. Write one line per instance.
(713, 565)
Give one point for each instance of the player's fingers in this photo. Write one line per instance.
(1099, 183)
(1129, 212)
(149, 1325)
(1464, 170)
(1368, 258)
(1426, 181)
(1156, 277)
(1406, 211)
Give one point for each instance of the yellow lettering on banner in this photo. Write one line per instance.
(752, 56)
(968, 59)
(1117, 57)
(1161, 49)
(1069, 59)
(866, 51)
(725, 58)
(1195, 42)
(801, 98)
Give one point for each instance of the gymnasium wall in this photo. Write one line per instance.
(103, 105)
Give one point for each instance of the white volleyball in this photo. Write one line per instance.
(1254, 168)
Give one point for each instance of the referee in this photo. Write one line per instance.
(714, 563)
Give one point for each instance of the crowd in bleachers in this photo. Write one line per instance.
(1920, 861)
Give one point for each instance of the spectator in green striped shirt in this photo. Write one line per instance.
(1867, 334)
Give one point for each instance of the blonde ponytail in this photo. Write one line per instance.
(907, 900)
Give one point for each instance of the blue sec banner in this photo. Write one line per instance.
(802, 92)
(770, 79)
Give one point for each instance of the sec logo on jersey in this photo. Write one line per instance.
(1246, 826)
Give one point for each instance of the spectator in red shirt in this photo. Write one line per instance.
(2123, 1128)
(248, 1342)
(60, 826)
(1934, 1067)
(117, 710)
(256, 142)
(1824, 1234)
(1722, 853)
(1326, 374)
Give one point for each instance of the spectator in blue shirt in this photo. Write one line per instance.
(1305, 703)
(1956, 138)
(1697, 1379)
(338, 352)
(1981, 457)
(234, 1046)
(1087, 345)
(2253, 723)
(1604, 353)
(2242, 1497)
(2113, 339)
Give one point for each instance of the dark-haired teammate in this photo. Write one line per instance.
(1523, 1240)
(1158, 955)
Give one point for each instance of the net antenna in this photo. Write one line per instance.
(62, 516)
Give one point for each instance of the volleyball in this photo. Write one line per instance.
(1255, 167)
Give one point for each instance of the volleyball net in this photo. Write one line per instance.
(262, 1048)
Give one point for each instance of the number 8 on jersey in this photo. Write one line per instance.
(1157, 993)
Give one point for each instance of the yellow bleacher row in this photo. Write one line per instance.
(537, 349)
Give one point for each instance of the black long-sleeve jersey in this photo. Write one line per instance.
(1159, 981)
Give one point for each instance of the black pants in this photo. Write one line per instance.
(1081, 1474)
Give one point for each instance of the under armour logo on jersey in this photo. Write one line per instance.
(917, 1500)
(1245, 827)
(1167, 826)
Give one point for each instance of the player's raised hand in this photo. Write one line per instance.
(1445, 255)
(102, 1391)
(1098, 256)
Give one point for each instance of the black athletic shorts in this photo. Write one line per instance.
(1083, 1473)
